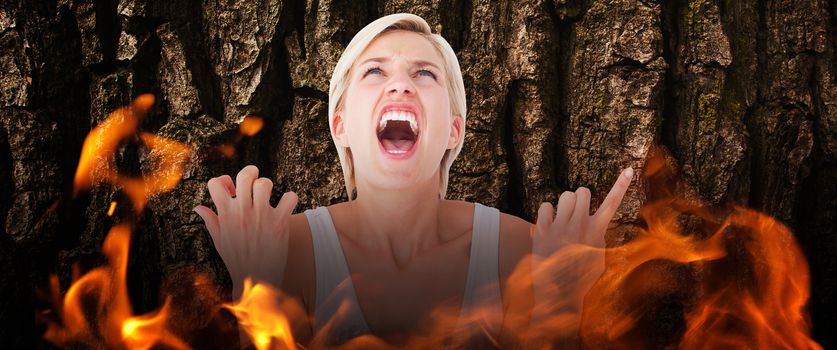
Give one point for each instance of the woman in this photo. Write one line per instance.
(397, 249)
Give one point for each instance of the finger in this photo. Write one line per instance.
(582, 204)
(217, 190)
(565, 208)
(244, 184)
(546, 214)
(228, 184)
(614, 197)
(287, 203)
(210, 219)
(581, 212)
(262, 188)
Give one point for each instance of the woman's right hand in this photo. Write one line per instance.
(250, 235)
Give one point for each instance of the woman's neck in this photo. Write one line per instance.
(402, 222)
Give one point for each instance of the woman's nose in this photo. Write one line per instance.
(395, 89)
(400, 84)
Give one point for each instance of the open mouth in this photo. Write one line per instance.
(398, 132)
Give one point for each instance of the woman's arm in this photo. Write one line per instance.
(515, 279)
(299, 282)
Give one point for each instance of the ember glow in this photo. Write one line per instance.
(249, 126)
(111, 208)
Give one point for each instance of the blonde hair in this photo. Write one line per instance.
(340, 83)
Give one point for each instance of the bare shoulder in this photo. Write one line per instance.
(513, 225)
(515, 275)
(299, 271)
(299, 225)
(300, 247)
(515, 242)
(515, 239)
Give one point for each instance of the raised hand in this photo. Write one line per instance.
(568, 256)
(250, 235)
(570, 221)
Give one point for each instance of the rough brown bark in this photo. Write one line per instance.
(561, 94)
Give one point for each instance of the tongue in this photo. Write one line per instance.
(397, 136)
(402, 144)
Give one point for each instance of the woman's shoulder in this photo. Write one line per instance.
(515, 242)
(299, 279)
(300, 226)
(463, 213)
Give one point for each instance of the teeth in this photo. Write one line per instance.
(399, 115)
(396, 151)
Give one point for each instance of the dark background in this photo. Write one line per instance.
(561, 94)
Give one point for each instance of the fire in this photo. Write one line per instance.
(261, 314)
(749, 280)
(113, 324)
(768, 311)
(97, 162)
(737, 277)
(116, 326)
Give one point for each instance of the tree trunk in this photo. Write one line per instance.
(561, 94)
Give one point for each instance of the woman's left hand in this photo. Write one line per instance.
(568, 254)
(571, 223)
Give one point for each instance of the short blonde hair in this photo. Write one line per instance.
(340, 83)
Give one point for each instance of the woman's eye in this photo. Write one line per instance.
(371, 70)
(429, 73)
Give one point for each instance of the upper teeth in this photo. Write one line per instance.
(399, 115)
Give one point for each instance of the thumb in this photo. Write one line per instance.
(210, 219)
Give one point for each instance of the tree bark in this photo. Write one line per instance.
(561, 94)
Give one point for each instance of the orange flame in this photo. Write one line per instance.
(116, 326)
(750, 287)
(97, 163)
(113, 324)
(262, 317)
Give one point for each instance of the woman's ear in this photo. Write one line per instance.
(338, 130)
(456, 129)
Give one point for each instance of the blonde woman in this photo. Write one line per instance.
(381, 262)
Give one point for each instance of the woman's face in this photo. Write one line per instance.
(396, 116)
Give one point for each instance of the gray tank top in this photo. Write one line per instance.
(337, 314)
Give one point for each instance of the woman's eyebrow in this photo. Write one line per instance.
(413, 62)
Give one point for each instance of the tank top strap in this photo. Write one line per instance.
(482, 288)
(337, 314)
